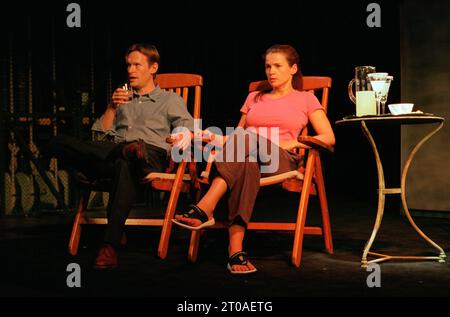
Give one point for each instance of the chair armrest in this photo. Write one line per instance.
(315, 143)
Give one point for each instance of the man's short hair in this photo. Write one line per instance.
(148, 50)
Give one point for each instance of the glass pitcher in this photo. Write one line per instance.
(365, 97)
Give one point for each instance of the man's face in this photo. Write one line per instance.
(140, 73)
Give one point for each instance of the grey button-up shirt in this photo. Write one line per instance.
(149, 117)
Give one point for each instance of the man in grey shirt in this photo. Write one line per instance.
(132, 142)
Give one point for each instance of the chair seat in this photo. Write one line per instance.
(271, 179)
(164, 176)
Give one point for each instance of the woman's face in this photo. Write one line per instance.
(278, 71)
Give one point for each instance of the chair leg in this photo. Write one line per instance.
(195, 235)
(193, 246)
(76, 228)
(302, 209)
(324, 207)
(170, 211)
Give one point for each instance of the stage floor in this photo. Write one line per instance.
(34, 260)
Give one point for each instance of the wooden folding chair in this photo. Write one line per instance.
(175, 180)
(307, 180)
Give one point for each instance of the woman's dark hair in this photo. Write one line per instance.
(292, 58)
(148, 50)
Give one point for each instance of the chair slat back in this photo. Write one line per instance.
(181, 83)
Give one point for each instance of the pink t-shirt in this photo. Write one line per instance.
(289, 113)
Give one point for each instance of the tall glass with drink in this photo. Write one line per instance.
(129, 91)
(378, 81)
(384, 93)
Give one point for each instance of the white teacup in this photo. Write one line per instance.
(401, 108)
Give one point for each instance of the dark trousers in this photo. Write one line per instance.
(243, 177)
(104, 159)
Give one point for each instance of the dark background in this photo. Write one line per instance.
(76, 69)
(224, 42)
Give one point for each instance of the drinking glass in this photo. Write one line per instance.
(384, 93)
(377, 81)
(129, 90)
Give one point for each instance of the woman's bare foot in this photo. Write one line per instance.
(194, 219)
(243, 268)
(238, 263)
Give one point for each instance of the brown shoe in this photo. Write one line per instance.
(106, 258)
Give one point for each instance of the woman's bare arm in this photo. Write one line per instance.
(322, 126)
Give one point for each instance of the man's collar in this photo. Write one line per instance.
(153, 95)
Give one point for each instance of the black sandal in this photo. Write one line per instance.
(194, 212)
(239, 258)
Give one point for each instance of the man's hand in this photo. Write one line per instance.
(210, 137)
(203, 135)
(120, 97)
(182, 140)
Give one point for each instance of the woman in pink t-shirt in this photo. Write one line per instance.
(274, 119)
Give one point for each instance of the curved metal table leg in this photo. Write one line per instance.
(442, 256)
(382, 191)
(381, 195)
